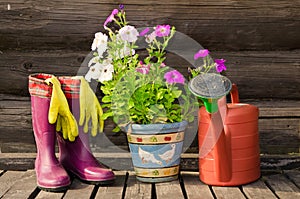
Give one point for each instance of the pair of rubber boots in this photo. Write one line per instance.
(75, 157)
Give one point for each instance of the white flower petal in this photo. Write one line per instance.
(93, 73)
(92, 61)
(129, 33)
(100, 43)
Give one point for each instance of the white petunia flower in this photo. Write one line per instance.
(100, 43)
(106, 73)
(94, 72)
(93, 61)
(129, 33)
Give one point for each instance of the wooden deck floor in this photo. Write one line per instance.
(284, 184)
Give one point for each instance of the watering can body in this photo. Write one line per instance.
(233, 157)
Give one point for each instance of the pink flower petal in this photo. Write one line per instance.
(201, 53)
(162, 30)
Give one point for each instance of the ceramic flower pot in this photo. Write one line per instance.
(156, 150)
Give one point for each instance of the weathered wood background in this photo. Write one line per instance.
(259, 39)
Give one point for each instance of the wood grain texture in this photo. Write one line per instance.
(294, 176)
(282, 187)
(228, 24)
(228, 192)
(52, 195)
(24, 187)
(259, 75)
(79, 189)
(195, 189)
(278, 127)
(258, 189)
(136, 189)
(115, 190)
(168, 190)
(8, 179)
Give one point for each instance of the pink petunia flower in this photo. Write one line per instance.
(144, 32)
(163, 65)
(144, 69)
(111, 17)
(174, 77)
(220, 66)
(201, 53)
(162, 30)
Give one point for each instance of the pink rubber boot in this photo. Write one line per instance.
(76, 156)
(51, 176)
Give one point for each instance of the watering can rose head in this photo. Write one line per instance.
(138, 90)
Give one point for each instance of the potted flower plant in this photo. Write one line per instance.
(145, 98)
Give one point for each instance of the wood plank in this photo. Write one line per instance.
(189, 161)
(115, 190)
(45, 195)
(294, 176)
(79, 189)
(195, 189)
(169, 190)
(282, 186)
(224, 24)
(23, 188)
(279, 133)
(137, 189)
(8, 179)
(250, 70)
(228, 192)
(258, 189)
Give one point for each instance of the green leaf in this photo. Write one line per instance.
(116, 129)
(176, 93)
(106, 99)
(107, 115)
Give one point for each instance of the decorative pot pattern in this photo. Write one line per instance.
(156, 150)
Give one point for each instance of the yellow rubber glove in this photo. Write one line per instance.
(90, 108)
(60, 113)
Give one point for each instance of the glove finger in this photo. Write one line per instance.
(100, 121)
(94, 123)
(64, 128)
(54, 103)
(83, 102)
(82, 108)
(101, 125)
(58, 123)
(68, 127)
(73, 126)
(86, 125)
(72, 138)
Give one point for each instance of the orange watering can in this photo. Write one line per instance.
(228, 136)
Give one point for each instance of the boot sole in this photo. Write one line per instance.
(56, 189)
(106, 182)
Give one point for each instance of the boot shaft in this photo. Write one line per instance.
(44, 132)
(80, 147)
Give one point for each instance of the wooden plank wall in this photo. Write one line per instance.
(259, 39)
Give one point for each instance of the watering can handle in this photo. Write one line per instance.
(234, 93)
